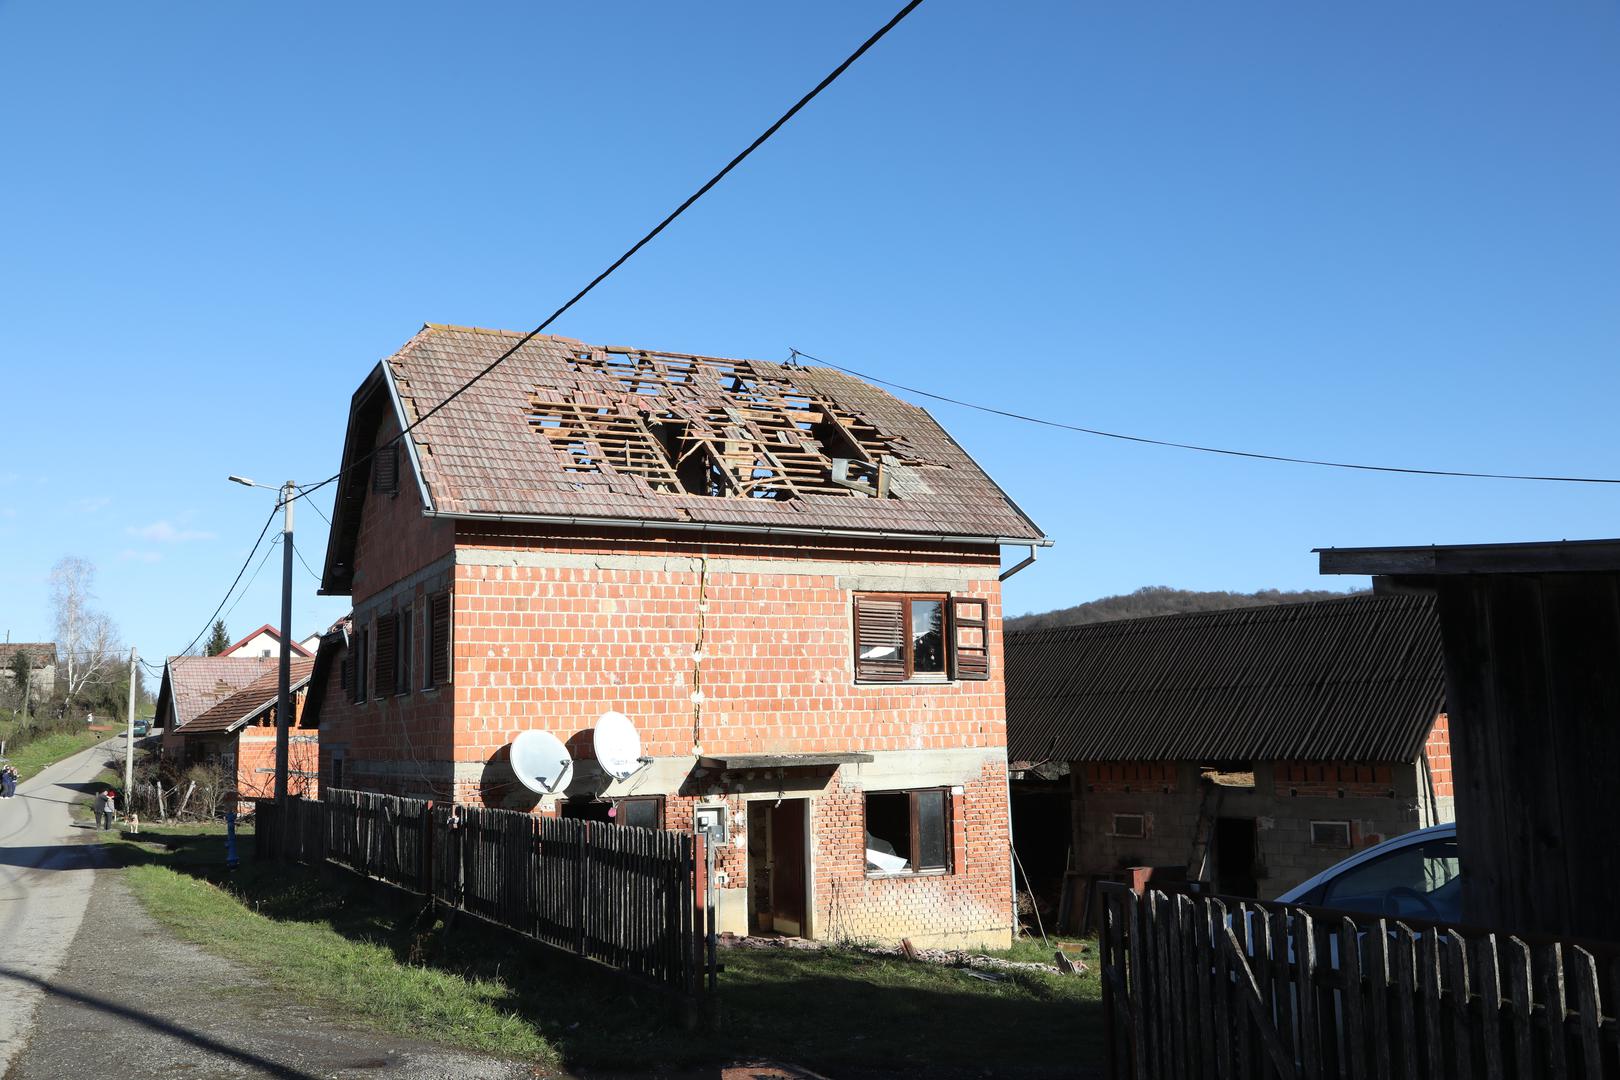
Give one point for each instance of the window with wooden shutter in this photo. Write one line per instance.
(402, 666)
(970, 638)
(438, 663)
(362, 655)
(880, 639)
(385, 471)
(346, 675)
(387, 653)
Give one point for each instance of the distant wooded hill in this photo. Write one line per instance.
(1163, 600)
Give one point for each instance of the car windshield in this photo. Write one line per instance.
(1422, 881)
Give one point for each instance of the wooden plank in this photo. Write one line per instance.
(1522, 1003)
(1584, 977)
(1429, 989)
(1137, 975)
(1404, 1006)
(1221, 992)
(1282, 981)
(1205, 1000)
(1548, 967)
(1304, 979)
(1353, 1032)
(1282, 1061)
(1488, 981)
(1458, 1000)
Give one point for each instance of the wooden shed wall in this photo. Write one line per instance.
(1533, 677)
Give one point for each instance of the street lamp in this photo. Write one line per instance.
(288, 492)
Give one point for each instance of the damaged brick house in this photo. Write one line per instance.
(1249, 748)
(786, 579)
(238, 733)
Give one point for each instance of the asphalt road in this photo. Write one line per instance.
(46, 869)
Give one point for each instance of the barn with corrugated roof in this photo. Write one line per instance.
(1247, 749)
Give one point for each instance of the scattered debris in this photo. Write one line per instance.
(957, 958)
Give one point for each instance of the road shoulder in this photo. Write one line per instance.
(133, 1002)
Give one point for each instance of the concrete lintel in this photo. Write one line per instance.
(895, 576)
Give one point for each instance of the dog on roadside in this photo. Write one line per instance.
(133, 820)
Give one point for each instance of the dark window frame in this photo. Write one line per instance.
(402, 649)
(438, 649)
(362, 667)
(907, 639)
(1344, 844)
(385, 664)
(656, 800)
(1139, 834)
(913, 856)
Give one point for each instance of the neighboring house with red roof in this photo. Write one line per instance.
(194, 684)
(42, 663)
(265, 641)
(239, 733)
(787, 579)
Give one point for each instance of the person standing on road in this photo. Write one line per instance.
(106, 806)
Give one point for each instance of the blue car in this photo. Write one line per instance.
(1416, 876)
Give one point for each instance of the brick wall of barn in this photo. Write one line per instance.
(1114, 801)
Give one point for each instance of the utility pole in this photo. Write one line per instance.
(28, 688)
(129, 736)
(284, 680)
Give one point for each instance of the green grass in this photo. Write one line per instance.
(367, 953)
(33, 756)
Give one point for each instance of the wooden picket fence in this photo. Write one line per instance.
(1204, 987)
(622, 896)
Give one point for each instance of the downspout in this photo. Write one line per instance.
(1026, 561)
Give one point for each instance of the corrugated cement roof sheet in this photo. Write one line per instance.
(1358, 679)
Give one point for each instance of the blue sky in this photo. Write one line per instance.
(1381, 232)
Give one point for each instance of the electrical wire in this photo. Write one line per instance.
(760, 140)
(307, 570)
(269, 551)
(1255, 455)
(253, 551)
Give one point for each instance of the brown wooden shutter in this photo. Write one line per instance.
(346, 674)
(439, 617)
(385, 471)
(880, 629)
(970, 638)
(387, 653)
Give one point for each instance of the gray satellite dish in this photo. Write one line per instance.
(541, 762)
(618, 746)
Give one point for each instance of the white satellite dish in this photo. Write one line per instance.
(541, 762)
(618, 746)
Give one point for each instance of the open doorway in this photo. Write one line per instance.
(777, 857)
(1236, 853)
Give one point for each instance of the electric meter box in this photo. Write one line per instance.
(710, 823)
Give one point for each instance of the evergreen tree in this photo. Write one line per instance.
(218, 641)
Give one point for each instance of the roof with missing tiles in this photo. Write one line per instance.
(563, 429)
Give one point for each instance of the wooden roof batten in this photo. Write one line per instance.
(759, 435)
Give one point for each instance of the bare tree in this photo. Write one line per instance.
(87, 638)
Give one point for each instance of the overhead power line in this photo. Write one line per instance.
(224, 599)
(759, 141)
(1253, 454)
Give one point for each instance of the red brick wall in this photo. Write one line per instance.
(971, 901)
(778, 667)
(1120, 777)
(256, 756)
(1327, 779)
(395, 540)
(1437, 748)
